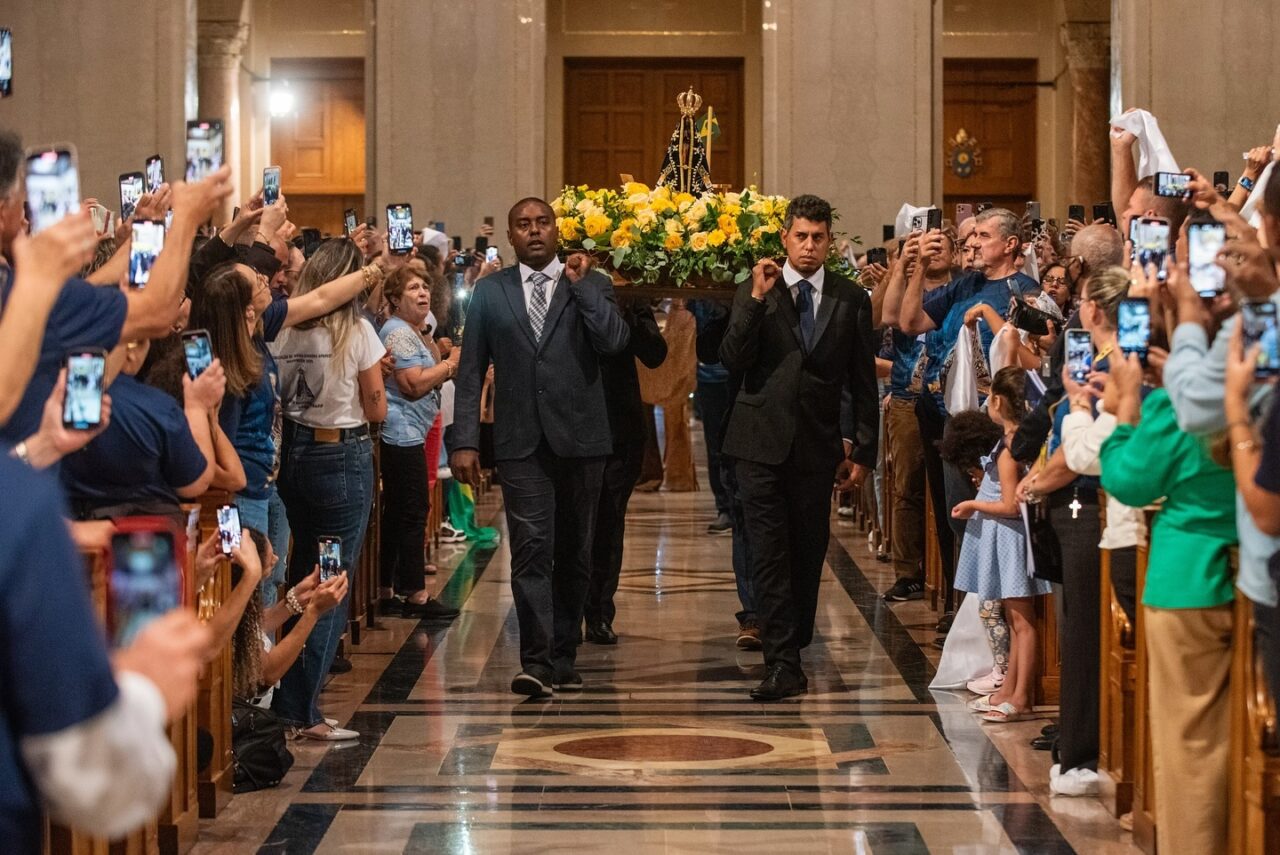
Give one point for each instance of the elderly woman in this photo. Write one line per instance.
(413, 401)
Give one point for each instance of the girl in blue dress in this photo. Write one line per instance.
(993, 557)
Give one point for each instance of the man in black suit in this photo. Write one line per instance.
(622, 468)
(806, 416)
(545, 326)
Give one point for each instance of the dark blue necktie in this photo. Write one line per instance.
(804, 306)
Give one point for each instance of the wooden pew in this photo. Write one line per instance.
(1049, 681)
(213, 701)
(1255, 766)
(888, 494)
(1116, 700)
(1144, 785)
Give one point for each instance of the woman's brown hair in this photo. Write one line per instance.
(218, 306)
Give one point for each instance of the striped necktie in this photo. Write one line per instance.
(538, 303)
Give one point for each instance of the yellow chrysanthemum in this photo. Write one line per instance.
(698, 241)
(728, 224)
(716, 238)
(736, 237)
(596, 225)
(673, 241)
(570, 228)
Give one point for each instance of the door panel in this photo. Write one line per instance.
(994, 101)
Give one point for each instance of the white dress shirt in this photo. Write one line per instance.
(792, 277)
(1082, 439)
(553, 270)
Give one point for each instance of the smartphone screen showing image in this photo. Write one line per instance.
(1175, 185)
(204, 148)
(330, 562)
(155, 172)
(400, 228)
(229, 531)
(1259, 319)
(349, 220)
(6, 62)
(491, 255)
(270, 185)
(146, 582)
(1151, 244)
(53, 186)
(198, 351)
(1204, 241)
(86, 371)
(1135, 327)
(1079, 354)
(148, 240)
(130, 192)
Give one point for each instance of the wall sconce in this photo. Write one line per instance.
(281, 101)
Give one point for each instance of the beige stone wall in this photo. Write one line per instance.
(1208, 72)
(119, 102)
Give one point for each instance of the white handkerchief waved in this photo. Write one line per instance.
(1153, 152)
(902, 223)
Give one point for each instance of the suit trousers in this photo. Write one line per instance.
(908, 489)
(621, 469)
(1080, 630)
(788, 516)
(931, 428)
(551, 505)
(1189, 654)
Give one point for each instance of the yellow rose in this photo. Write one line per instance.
(732, 198)
(620, 237)
(698, 242)
(646, 216)
(683, 199)
(632, 188)
(596, 225)
(673, 226)
(716, 238)
(728, 224)
(570, 228)
(559, 207)
(638, 200)
(673, 242)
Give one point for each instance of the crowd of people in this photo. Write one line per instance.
(955, 340)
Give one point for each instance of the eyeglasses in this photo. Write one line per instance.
(1054, 280)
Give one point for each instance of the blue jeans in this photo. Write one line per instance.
(327, 488)
(713, 401)
(268, 517)
(741, 549)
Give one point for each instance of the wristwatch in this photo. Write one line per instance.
(1246, 183)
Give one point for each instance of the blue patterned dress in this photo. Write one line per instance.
(993, 558)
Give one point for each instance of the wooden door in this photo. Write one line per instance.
(320, 147)
(994, 102)
(620, 113)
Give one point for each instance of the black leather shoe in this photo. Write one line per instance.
(1050, 729)
(780, 683)
(601, 633)
(1043, 743)
(567, 679)
(533, 685)
(432, 609)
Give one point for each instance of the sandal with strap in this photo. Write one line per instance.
(1003, 713)
(982, 704)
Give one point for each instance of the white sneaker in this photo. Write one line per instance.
(844, 512)
(1077, 782)
(987, 685)
(449, 534)
(444, 473)
(328, 733)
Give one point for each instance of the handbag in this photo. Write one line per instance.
(1043, 544)
(258, 747)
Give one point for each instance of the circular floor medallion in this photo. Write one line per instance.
(663, 748)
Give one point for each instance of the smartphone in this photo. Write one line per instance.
(204, 148)
(155, 172)
(6, 62)
(229, 531)
(1076, 212)
(148, 240)
(918, 222)
(198, 350)
(482, 244)
(330, 549)
(1259, 319)
(933, 219)
(1033, 210)
(438, 225)
(1079, 349)
(131, 184)
(86, 373)
(983, 206)
(400, 227)
(887, 232)
(1222, 181)
(270, 185)
(146, 578)
(1204, 241)
(491, 255)
(488, 221)
(878, 255)
(1150, 238)
(457, 243)
(1135, 327)
(964, 211)
(371, 221)
(1102, 213)
(311, 240)
(1175, 185)
(349, 221)
(53, 185)
(101, 218)
(463, 260)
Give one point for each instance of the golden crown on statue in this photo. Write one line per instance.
(690, 102)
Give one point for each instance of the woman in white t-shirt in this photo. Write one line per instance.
(330, 390)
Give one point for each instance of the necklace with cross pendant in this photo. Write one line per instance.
(1075, 507)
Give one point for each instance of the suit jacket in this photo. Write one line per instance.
(795, 405)
(621, 380)
(551, 389)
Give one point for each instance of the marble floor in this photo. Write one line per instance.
(663, 752)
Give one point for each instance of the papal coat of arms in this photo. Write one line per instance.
(964, 157)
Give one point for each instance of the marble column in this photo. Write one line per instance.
(220, 48)
(1088, 49)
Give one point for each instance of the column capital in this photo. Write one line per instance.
(221, 43)
(1088, 44)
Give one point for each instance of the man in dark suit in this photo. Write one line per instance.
(545, 326)
(806, 416)
(622, 468)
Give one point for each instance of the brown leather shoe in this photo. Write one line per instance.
(749, 636)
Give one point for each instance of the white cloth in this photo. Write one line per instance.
(264, 700)
(1250, 210)
(552, 271)
(1153, 152)
(1082, 439)
(902, 222)
(431, 237)
(961, 392)
(315, 391)
(966, 655)
(446, 404)
(430, 324)
(792, 277)
(1004, 348)
(107, 775)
